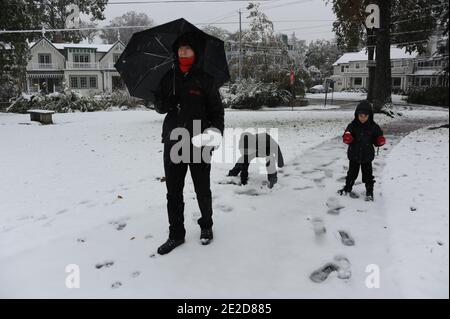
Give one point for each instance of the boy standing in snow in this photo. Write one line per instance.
(361, 135)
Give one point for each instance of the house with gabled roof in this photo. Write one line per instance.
(408, 69)
(86, 68)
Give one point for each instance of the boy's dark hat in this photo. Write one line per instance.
(364, 107)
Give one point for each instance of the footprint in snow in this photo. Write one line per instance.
(249, 191)
(135, 274)
(344, 267)
(318, 180)
(341, 265)
(224, 208)
(321, 274)
(354, 195)
(302, 188)
(334, 206)
(318, 226)
(116, 285)
(118, 224)
(328, 173)
(346, 238)
(106, 264)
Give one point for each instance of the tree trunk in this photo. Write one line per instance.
(382, 100)
(371, 50)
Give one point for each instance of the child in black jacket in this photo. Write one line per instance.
(361, 135)
(252, 146)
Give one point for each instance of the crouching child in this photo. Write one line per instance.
(252, 146)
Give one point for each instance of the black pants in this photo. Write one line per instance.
(175, 176)
(367, 175)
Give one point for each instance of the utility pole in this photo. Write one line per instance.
(240, 46)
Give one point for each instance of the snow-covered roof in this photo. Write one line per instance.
(396, 54)
(99, 47)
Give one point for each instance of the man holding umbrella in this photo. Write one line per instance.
(186, 95)
(179, 68)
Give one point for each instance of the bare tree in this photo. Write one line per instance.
(129, 19)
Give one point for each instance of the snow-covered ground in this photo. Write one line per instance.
(416, 188)
(87, 191)
(351, 96)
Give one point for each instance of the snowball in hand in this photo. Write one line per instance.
(210, 137)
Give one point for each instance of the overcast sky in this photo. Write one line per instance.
(312, 18)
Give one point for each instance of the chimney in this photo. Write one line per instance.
(58, 37)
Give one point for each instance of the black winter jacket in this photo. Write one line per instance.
(186, 97)
(365, 136)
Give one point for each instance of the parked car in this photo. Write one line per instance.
(317, 89)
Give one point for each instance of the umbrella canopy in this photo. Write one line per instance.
(151, 53)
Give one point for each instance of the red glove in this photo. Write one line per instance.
(381, 140)
(347, 138)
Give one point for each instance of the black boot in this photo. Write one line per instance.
(369, 193)
(244, 178)
(169, 245)
(345, 190)
(234, 171)
(206, 236)
(273, 179)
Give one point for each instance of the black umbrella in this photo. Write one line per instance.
(150, 55)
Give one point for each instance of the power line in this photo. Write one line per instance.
(147, 26)
(304, 28)
(176, 1)
(288, 4)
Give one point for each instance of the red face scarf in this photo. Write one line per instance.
(186, 63)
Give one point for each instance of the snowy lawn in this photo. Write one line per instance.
(351, 96)
(87, 191)
(416, 188)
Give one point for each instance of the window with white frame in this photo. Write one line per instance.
(93, 82)
(81, 58)
(44, 58)
(73, 82)
(83, 82)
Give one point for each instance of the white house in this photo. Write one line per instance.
(351, 72)
(407, 69)
(86, 68)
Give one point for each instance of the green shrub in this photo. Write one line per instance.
(437, 96)
(71, 101)
(250, 94)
